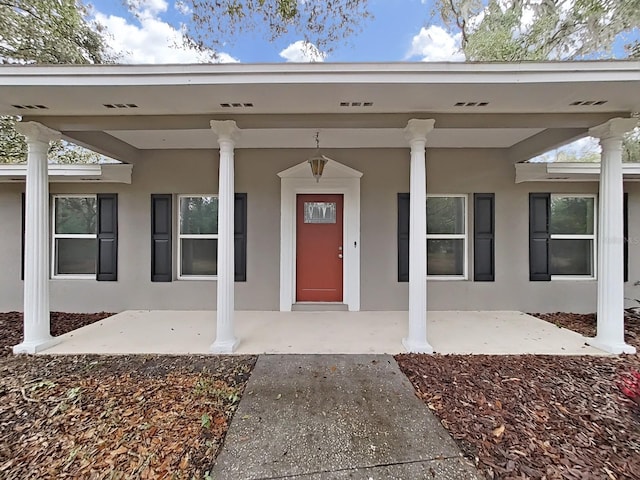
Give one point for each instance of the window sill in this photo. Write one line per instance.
(447, 278)
(580, 278)
(198, 277)
(73, 277)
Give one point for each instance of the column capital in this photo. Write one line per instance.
(616, 127)
(417, 129)
(226, 130)
(36, 132)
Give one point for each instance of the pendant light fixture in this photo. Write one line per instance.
(318, 161)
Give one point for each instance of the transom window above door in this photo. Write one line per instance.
(197, 236)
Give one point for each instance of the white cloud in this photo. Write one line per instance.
(302, 51)
(182, 7)
(581, 149)
(435, 44)
(153, 40)
(148, 8)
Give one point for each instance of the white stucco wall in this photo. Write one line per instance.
(386, 172)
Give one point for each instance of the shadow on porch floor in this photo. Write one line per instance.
(192, 332)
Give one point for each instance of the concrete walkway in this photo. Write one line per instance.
(192, 332)
(316, 417)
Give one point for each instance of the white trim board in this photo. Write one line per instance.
(569, 172)
(92, 173)
(336, 179)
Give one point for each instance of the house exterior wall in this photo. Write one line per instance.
(386, 173)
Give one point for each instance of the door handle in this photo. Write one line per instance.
(339, 255)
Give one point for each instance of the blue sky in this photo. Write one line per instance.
(399, 30)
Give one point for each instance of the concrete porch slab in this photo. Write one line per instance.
(192, 332)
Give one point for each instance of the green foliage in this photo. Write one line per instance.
(631, 146)
(49, 31)
(517, 30)
(205, 421)
(13, 148)
(322, 23)
(538, 30)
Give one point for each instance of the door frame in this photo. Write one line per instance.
(336, 179)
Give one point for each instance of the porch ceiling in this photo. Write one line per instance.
(122, 109)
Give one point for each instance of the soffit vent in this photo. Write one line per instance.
(120, 105)
(471, 104)
(356, 104)
(31, 107)
(587, 103)
(237, 105)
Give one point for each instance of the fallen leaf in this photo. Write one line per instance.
(119, 451)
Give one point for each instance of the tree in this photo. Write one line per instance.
(319, 23)
(520, 30)
(517, 30)
(47, 31)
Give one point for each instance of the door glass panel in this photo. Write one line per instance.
(319, 212)
(445, 257)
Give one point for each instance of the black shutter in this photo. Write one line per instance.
(625, 220)
(161, 238)
(484, 237)
(24, 225)
(539, 213)
(240, 237)
(403, 237)
(107, 268)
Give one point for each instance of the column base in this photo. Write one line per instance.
(615, 348)
(35, 346)
(226, 346)
(416, 347)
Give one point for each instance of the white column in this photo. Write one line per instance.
(610, 333)
(416, 341)
(37, 332)
(226, 341)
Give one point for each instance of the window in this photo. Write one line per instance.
(198, 236)
(447, 236)
(572, 240)
(74, 236)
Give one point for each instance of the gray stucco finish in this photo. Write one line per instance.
(385, 174)
(335, 416)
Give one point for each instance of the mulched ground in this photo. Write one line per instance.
(113, 417)
(11, 326)
(585, 324)
(540, 417)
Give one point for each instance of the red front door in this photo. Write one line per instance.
(319, 248)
